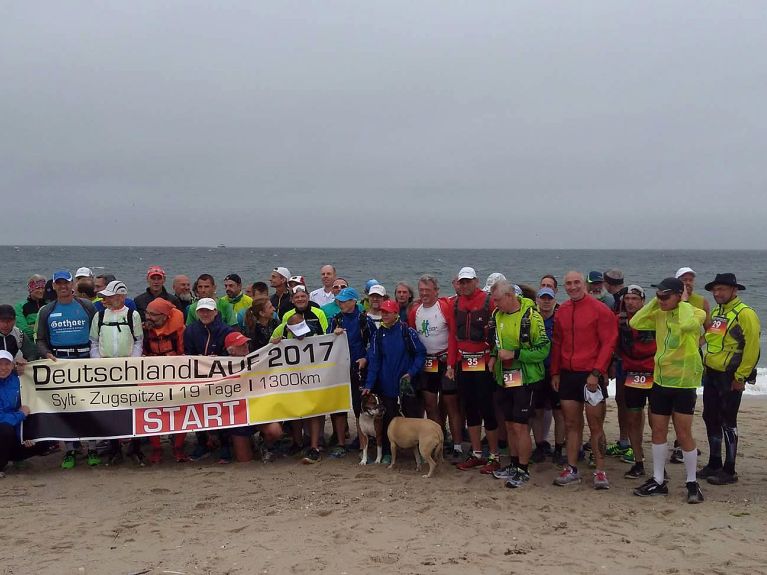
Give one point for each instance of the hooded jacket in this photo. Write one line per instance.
(168, 339)
(529, 355)
(390, 357)
(201, 339)
(585, 334)
(10, 401)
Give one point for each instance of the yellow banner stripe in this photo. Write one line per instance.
(281, 406)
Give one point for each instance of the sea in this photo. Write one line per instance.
(389, 266)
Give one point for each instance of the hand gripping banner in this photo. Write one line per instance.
(134, 397)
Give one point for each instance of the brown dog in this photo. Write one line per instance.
(422, 434)
(371, 425)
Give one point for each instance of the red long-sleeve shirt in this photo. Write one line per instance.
(585, 335)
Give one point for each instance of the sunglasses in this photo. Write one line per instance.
(663, 296)
(342, 286)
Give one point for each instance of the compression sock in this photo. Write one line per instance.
(715, 451)
(690, 459)
(659, 452)
(730, 449)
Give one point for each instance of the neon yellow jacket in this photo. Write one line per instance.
(240, 303)
(677, 332)
(529, 356)
(732, 340)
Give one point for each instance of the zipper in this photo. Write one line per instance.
(207, 341)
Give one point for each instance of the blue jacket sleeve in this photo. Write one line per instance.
(11, 417)
(420, 353)
(374, 364)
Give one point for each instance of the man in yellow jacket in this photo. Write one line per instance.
(677, 375)
(732, 351)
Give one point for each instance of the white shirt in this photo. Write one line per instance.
(431, 326)
(322, 297)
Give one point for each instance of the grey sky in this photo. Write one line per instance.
(446, 124)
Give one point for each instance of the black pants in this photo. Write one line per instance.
(11, 449)
(720, 413)
(391, 405)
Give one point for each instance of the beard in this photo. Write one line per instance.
(185, 297)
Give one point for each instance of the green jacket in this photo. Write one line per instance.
(240, 303)
(732, 339)
(529, 356)
(224, 310)
(677, 333)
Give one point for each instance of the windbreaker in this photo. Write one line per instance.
(585, 335)
(168, 339)
(529, 356)
(677, 333)
(635, 348)
(732, 339)
(201, 339)
(10, 401)
(390, 357)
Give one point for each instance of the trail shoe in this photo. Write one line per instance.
(93, 459)
(492, 465)
(636, 471)
(69, 460)
(600, 480)
(617, 450)
(471, 462)
(518, 479)
(723, 478)
(694, 494)
(504, 472)
(650, 488)
(708, 471)
(199, 452)
(628, 456)
(312, 456)
(676, 455)
(567, 476)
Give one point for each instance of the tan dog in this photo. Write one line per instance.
(422, 434)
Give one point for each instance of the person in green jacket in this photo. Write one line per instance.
(521, 346)
(206, 287)
(235, 297)
(677, 375)
(27, 310)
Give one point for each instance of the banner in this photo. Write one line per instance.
(139, 396)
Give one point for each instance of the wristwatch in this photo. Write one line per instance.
(596, 373)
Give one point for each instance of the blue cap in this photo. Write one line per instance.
(595, 277)
(346, 294)
(62, 275)
(370, 283)
(546, 291)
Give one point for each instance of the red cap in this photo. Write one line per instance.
(235, 339)
(390, 305)
(155, 271)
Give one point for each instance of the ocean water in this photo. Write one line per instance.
(388, 266)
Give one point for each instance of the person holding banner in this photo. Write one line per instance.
(12, 413)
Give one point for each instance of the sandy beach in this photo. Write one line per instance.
(338, 517)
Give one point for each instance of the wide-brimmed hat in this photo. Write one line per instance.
(727, 279)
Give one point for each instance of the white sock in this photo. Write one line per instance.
(691, 464)
(458, 447)
(659, 453)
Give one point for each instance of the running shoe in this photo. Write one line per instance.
(722, 478)
(156, 456)
(199, 452)
(2, 474)
(518, 479)
(93, 458)
(636, 471)
(337, 452)
(650, 488)
(694, 494)
(471, 462)
(267, 456)
(616, 449)
(600, 480)
(69, 460)
(628, 456)
(567, 476)
(505, 472)
(708, 471)
(493, 464)
(676, 455)
(312, 456)
(386, 459)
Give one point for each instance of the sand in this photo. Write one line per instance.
(338, 517)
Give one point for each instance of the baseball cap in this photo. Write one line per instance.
(7, 311)
(467, 273)
(62, 275)
(370, 283)
(669, 285)
(636, 290)
(155, 271)
(235, 278)
(377, 289)
(298, 288)
(114, 288)
(297, 280)
(160, 305)
(6, 355)
(206, 303)
(346, 294)
(390, 306)
(681, 271)
(284, 272)
(235, 339)
(614, 276)
(546, 291)
(83, 273)
(299, 329)
(595, 277)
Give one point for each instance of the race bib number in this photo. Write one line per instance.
(431, 365)
(473, 362)
(718, 326)
(512, 377)
(639, 380)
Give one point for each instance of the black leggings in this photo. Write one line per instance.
(720, 413)
(476, 388)
(11, 449)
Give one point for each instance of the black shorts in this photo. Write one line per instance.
(668, 400)
(436, 382)
(544, 396)
(635, 398)
(517, 403)
(571, 384)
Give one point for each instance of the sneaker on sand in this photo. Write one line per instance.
(567, 476)
(518, 479)
(636, 471)
(93, 459)
(505, 472)
(694, 494)
(628, 456)
(600, 480)
(722, 478)
(471, 462)
(69, 460)
(708, 471)
(650, 488)
(199, 452)
(676, 455)
(493, 464)
(312, 456)
(337, 452)
(616, 449)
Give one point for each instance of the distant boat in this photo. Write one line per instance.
(220, 246)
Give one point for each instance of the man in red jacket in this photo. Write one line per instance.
(585, 334)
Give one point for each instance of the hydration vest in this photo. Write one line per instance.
(472, 325)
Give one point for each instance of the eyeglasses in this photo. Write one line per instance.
(342, 286)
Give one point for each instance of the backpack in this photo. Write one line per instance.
(405, 329)
(117, 324)
(338, 321)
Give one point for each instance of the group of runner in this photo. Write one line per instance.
(503, 353)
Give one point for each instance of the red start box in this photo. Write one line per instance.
(192, 417)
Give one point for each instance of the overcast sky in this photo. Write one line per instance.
(405, 124)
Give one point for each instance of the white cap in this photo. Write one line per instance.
(467, 274)
(83, 273)
(378, 289)
(299, 329)
(114, 288)
(207, 303)
(681, 271)
(6, 355)
(284, 272)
